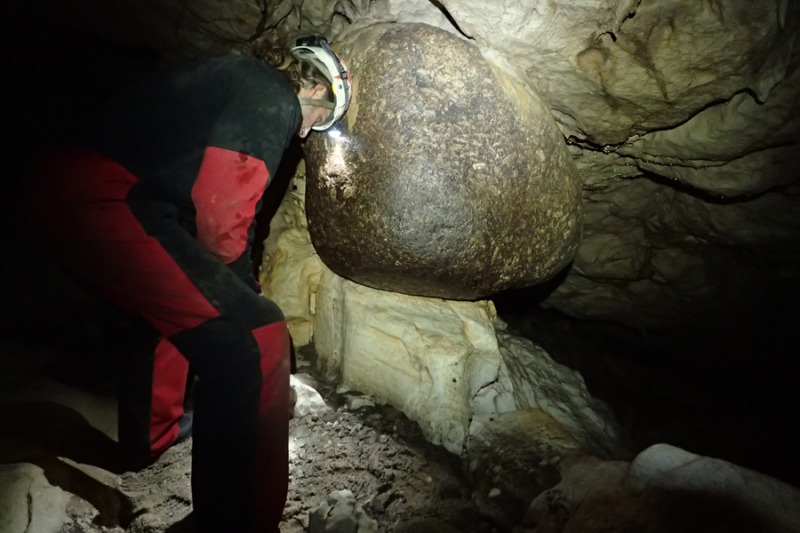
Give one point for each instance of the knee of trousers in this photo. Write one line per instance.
(223, 348)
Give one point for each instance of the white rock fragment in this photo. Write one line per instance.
(309, 401)
(341, 514)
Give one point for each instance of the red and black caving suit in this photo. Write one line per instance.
(155, 207)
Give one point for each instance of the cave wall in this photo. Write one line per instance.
(681, 118)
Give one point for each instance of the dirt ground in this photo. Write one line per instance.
(401, 480)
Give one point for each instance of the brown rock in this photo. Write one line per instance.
(451, 179)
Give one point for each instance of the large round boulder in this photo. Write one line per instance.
(448, 177)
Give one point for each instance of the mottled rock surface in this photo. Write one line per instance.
(451, 179)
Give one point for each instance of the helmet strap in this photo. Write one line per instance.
(317, 102)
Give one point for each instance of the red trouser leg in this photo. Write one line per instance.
(152, 384)
(133, 249)
(170, 371)
(273, 434)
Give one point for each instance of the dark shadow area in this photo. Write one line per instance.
(726, 392)
(53, 76)
(46, 307)
(707, 509)
(182, 526)
(32, 431)
(520, 301)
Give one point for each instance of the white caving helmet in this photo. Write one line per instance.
(317, 51)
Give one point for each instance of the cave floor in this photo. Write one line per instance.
(61, 426)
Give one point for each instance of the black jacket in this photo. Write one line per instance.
(206, 137)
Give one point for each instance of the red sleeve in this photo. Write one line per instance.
(226, 193)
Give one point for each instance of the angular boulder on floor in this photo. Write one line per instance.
(449, 177)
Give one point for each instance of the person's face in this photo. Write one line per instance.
(313, 115)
